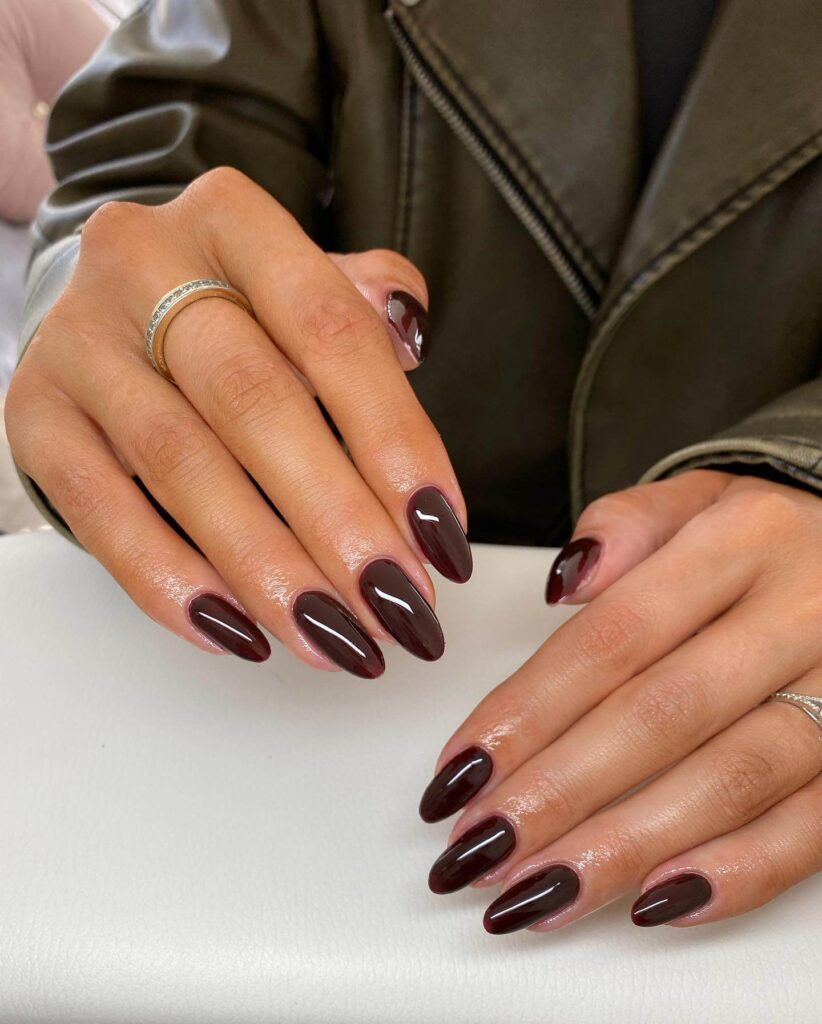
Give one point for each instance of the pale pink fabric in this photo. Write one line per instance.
(42, 44)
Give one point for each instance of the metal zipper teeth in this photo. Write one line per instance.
(532, 220)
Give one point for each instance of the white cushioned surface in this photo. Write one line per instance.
(191, 839)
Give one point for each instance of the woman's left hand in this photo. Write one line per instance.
(704, 596)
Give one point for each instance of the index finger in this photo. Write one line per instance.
(338, 341)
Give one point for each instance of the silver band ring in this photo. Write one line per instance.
(812, 706)
(174, 302)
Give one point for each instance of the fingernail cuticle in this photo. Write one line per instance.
(456, 783)
(572, 567)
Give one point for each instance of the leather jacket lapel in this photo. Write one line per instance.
(751, 116)
(549, 90)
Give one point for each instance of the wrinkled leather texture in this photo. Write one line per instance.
(701, 343)
(188, 839)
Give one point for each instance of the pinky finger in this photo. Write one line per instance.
(112, 519)
(741, 870)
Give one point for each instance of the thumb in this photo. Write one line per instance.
(619, 530)
(397, 290)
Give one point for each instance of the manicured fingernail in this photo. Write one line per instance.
(452, 787)
(439, 534)
(409, 318)
(472, 855)
(532, 899)
(228, 627)
(672, 898)
(572, 567)
(338, 634)
(402, 609)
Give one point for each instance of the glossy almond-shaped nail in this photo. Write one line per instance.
(532, 899)
(452, 787)
(227, 626)
(473, 855)
(409, 319)
(681, 894)
(402, 609)
(338, 634)
(572, 567)
(439, 534)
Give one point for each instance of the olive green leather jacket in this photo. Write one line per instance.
(666, 325)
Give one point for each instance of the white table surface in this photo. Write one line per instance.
(195, 840)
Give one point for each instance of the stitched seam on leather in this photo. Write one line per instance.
(516, 162)
(408, 145)
(734, 206)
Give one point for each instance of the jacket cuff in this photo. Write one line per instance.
(785, 459)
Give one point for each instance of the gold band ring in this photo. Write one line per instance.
(176, 300)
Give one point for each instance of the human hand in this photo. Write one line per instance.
(704, 596)
(86, 410)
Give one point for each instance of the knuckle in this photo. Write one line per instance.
(245, 390)
(332, 520)
(107, 230)
(612, 637)
(764, 510)
(79, 493)
(338, 326)
(670, 707)
(626, 849)
(744, 782)
(170, 447)
(627, 504)
(218, 183)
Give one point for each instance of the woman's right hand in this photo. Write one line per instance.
(86, 414)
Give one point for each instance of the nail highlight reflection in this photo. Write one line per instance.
(227, 627)
(461, 779)
(472, 855)
(402, 609)
(679, 895)
(338, 634)
(532, 899)
(439, 534)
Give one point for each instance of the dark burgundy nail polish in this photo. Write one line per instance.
(402, 609)
(338, 634)
(473, 855)
(452, 787)
(532, 899)
(571, 568)
(439, 534)
(672, 898)
(409, 318)
(228, 627)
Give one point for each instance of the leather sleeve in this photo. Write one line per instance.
(781, 441)
(178, 88)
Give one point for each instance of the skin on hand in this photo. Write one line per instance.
(243, 433)
(634, 750)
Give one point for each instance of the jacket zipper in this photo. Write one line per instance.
(531, 218)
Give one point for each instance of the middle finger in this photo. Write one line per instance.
(247, 392)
